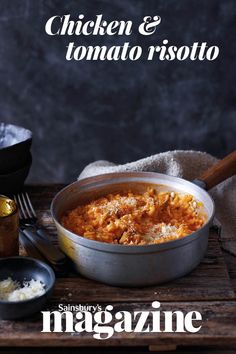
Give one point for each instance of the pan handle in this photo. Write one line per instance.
(219, 172)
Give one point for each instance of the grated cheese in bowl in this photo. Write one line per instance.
(11, 290)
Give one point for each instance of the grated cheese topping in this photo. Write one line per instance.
(11, 290)
(113, 206)
(160, 231)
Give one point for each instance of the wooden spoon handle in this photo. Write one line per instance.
(219, 172)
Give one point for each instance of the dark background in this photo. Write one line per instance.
(121, 111)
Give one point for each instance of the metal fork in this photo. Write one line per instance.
(36, 234)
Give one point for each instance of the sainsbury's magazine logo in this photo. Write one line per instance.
(102, 324)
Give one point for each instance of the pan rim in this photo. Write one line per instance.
(117, 248)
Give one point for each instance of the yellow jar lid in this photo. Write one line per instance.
(7, 206)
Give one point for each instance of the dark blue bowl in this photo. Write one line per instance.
(15, 143)
(24, 269)
(13, 182)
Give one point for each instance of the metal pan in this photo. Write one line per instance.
(123, 265)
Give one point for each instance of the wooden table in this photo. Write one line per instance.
(209, 289)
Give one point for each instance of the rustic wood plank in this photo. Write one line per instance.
(218, 328)
(207, 289)
(162, 348)
(116, 350)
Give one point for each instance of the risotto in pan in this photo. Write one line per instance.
(137, 218)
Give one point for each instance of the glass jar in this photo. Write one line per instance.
(9, 227)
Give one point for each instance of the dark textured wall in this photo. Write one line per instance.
(120, 111)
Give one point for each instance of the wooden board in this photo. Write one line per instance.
(207, 289)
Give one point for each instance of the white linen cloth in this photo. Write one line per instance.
(184, 164)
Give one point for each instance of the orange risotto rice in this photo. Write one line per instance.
(137, 218)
